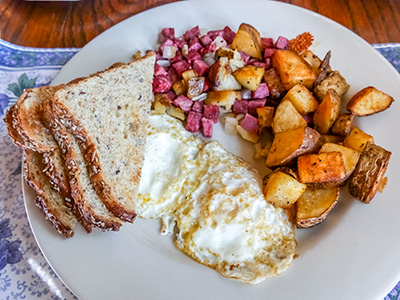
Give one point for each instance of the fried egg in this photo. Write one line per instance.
(215, 200)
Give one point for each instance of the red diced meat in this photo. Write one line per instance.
(258, 64)
(214, 33)
(181, 67)
(167, 42)
(267, 43)
(207, 126)
(194, 44)
(178, 57)
(211, 112)
(193, 121)
(250, 123)
(198, 106)
(158, 55)
(161, 84)
(208, 49)
(200, 67)
(192, 56)
(207, 85)
(205, 40)
(191, 33)
(180, 42)
(159, 70)
(171, 95)
(254, 104)
(268, 52)
(167, 34)
(267, 61)
(261, 92)
(281, 43)
(173, 77)
(240, 107)
(244, 57)
(229, 34)
(183, 103)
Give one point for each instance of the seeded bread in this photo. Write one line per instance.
(108, 114)
(50, 202)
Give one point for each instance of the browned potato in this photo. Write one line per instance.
(321, 170)
(220, 75)
(350, 156)
(222, 98)
(327, 112)
(343, 124)
(195, 86)
(248, 40)
(249, 76)
(314, 205)
(370, 170)
(247, 135)
(275, 86)
(189, 74)
(287, 118)
(357, 139)
(302, 99)
(226, 52)
(282, 190)
(265, 116)
(292, 69)
(179, 87)
(290, 144)
(313, 60)
(161, 102)
(369, 101)
(334, 81)
(328, 138)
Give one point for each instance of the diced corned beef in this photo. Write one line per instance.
(193, 121)
(180, 42)
(167, 34)
(212, 47)
(261, 92)
(178, 57)
(240, 107)
(198, 106)
(192, 56)
(268, 52)
(181, 67)
(258, 64)
(167, 42)
(281, 43)
(161, 84)
(207, 85)
(267, 43)
(200, 67)
(254, 104)
(219, 42)
(183, 103)
(194, 44)
(214, 33)
(250, 123)
(229, 34)
(173, 76)
(244, 57)
(191, 33)
(205, 40)
(267, 61)
(207, 127)
(159, 70)
(211, 112)
(171, 95)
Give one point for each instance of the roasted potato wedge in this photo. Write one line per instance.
(328, 138)
(179, 87)
(369, 172)
(161, 102)
(350, 156)
(249, 76)
(314, 205)
(343, 124)
(265, 116)
(334, 81)
(357, 139)
(369, 101)
(282, 190)
(302, 99)
(292, 69)
(288, 145)
(327, 112)
(312, 59)
(189, 74)
(220, 75)
(275, 86)
(322, 169)
(287, 118)
(248, 40)
(222, 98)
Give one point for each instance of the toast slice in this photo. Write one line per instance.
(108, 113)
(50, 202)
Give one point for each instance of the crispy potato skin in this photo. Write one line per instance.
(314, 205)
(334, 81)
(248, 40)
(290, 144)
(321, 170)
(343, 124)
(369, 101)
(327, 112)
(292, 69)
(369, 172)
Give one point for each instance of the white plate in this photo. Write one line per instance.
(354, 254)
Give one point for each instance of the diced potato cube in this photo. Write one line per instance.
(287, 118)
(334, 81)
(248, 40)
(176, 112)
(249, 76)
(179, 87)
(343, 124)
(369, 101)
(302, 99)
(357, 139)
(313, 60)
(247, 135)
(189, 74)
(222, 98)
(265, 116)
(327, 112)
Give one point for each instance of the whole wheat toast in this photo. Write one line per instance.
(108, 113)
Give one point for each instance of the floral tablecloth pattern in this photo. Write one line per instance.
(24, 272)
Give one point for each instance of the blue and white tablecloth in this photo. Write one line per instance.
(24, 272)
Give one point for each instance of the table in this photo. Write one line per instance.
(74, 24)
